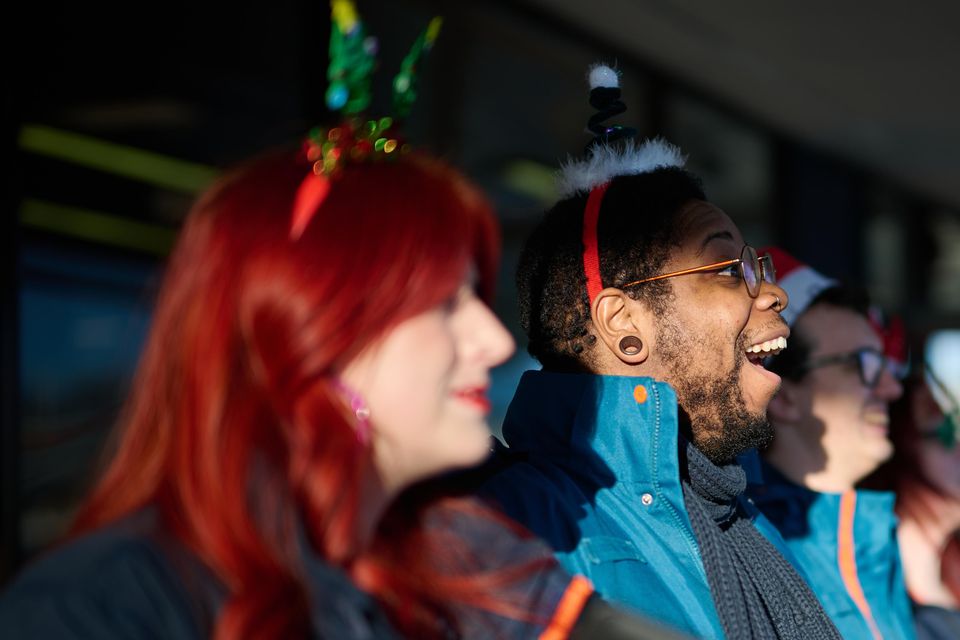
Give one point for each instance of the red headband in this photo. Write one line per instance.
(311, 194)
(591, 255)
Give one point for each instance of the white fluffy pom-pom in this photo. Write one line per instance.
(606, 161)
(602, 75)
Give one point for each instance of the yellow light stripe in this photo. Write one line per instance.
(531, 179)
(144, 166)
(97, 227)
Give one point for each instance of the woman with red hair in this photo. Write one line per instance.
(307, 369)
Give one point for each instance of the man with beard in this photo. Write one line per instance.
(650, 316)
(831, 422)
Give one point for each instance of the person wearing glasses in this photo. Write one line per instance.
(831, 421)
(924, 472)
(650, 316)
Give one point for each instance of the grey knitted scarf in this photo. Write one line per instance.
(758, 594)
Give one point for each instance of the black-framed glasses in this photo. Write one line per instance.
(870, 362)
(754, 270)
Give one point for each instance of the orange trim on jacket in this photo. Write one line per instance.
(847, 560)
(569, 609)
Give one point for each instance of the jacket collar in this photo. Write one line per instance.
(613, 427)
(795, 506)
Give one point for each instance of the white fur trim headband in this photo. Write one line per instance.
(612, 152)
(606, 161)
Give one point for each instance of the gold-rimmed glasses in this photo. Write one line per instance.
(754, 270)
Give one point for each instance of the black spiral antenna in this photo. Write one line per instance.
(605, 98)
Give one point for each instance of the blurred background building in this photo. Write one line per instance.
(830, 129)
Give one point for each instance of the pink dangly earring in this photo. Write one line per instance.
(360, 410)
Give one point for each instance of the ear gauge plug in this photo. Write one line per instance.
(630, 345)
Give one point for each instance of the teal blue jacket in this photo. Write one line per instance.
(847, 545)
(592, 467)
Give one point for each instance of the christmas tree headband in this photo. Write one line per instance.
(355, 138)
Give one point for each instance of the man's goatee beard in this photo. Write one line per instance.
(721, 425)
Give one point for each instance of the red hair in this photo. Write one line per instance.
(233, 430)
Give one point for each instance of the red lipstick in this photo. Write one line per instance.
(477, 396)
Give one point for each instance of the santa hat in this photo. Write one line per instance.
(800, 281)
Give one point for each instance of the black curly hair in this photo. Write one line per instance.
(638, 228)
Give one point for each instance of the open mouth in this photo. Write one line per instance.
(877, 418)
(757, 353)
